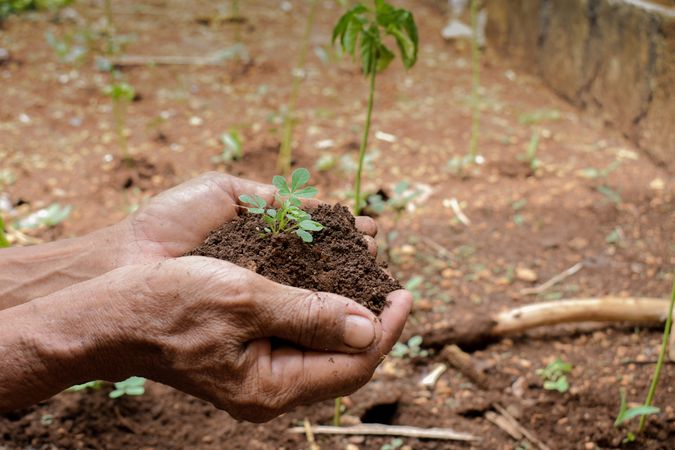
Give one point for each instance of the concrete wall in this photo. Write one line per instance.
(615, 58)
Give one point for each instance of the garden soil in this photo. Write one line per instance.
(524, 227)
(336, 261)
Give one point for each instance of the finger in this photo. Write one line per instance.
(307, 376)
(372, 245)
(315, 320)
(366, 225)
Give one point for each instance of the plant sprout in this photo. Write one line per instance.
(289, 217)
(554, 376)
(232, 147)
(285, 151)
(363, 28)
(530, 155)
(133, 386)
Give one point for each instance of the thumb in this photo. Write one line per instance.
(317, 320)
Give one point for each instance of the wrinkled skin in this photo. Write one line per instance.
(217, 331)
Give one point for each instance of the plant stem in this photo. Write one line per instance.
(338, 412)
(284, 160)
(364, 144)
(3, 238)
(475, 82)
(659, 362)
(119, 117)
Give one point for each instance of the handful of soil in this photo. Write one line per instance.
(337, 261)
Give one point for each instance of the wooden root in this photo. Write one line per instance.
(372, 429)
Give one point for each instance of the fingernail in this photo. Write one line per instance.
(359, 332)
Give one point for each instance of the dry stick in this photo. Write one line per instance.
(310, 435)
(607, 309)
(463, 363)
(516, 425)
(553, 281)
(391, 430)
(169, 60)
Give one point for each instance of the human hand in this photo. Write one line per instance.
(250, 346)
(178, 220)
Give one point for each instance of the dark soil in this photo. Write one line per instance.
(336, 261)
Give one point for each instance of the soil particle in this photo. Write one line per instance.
(337, 261)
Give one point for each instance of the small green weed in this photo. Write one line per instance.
(232, 147)
(554, 376)
(289, 217)
(410, 349)
(133, 386)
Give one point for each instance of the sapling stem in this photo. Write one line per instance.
(364, 144)
(475, 82)
(337, 415)
(285, 152)
(659, 363)
(3, 237)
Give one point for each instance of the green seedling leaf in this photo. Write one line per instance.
(98, 384)
(254, 200)
(626, 413)
(133, 386)
(560, 385)
(120, 91)
(310, 225)
(610, 194)
(232, 143)
(50, 216)
(415, 341)
(306, 192)
(299, 177)
(272, 213)
(304, 235)
(280, 183)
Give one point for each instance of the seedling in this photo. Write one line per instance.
(232, 147)
(285, 151)
(626, 413)
(133, 386)
(602, 174)
(411, 349)
(530, 155)
(3, 236)
(554, 376)
(289, 217)
(397, 203)
(363, 28)
(121, 94)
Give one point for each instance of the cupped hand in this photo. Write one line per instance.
(178, 220)
(250, 346)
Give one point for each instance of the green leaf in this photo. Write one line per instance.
(384, 57)
(310, 225)
(306, 192)
(406, 46)
(351, 37)
(343, 22)
(369, 44)
(272, 213)
(256, 210)
(298, 178)
(305, 236)
(415, 341)
(280, 183)
(626, 414)
(254, 200)
(560, 385)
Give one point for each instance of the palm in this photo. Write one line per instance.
(179, 219)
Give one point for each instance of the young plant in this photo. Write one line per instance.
(397, 203)
(133, 386)
(232, 147)
(363, 29)
(530, 155)
(121, 94)
(410, 349)
(285, 151)
(554, 376)
(289, 217)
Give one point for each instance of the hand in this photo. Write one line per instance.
(212, 329)
(178, 220)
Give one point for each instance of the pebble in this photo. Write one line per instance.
(525, 274)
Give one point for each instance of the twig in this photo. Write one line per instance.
(553, 281)
(454, 205)
(517, 426)
(373, 429)
(310, 436)
(432, 377)
(438, 247)
(170, 60)
(581, 310)
(462, 362)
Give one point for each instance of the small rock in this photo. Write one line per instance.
(525, 274)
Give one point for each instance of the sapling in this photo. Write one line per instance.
(285, 151)
(554, 376)
(289, 218)
(363, 28)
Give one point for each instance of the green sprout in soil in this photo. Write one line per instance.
(397, 203)
(121, 94)
(8, 7)
(3, 236)
(133, 386)
(289, 217)
(285, 151)
(530, 155)
(232, 147)
(363, 28)
(554, 376)
(410, 349)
